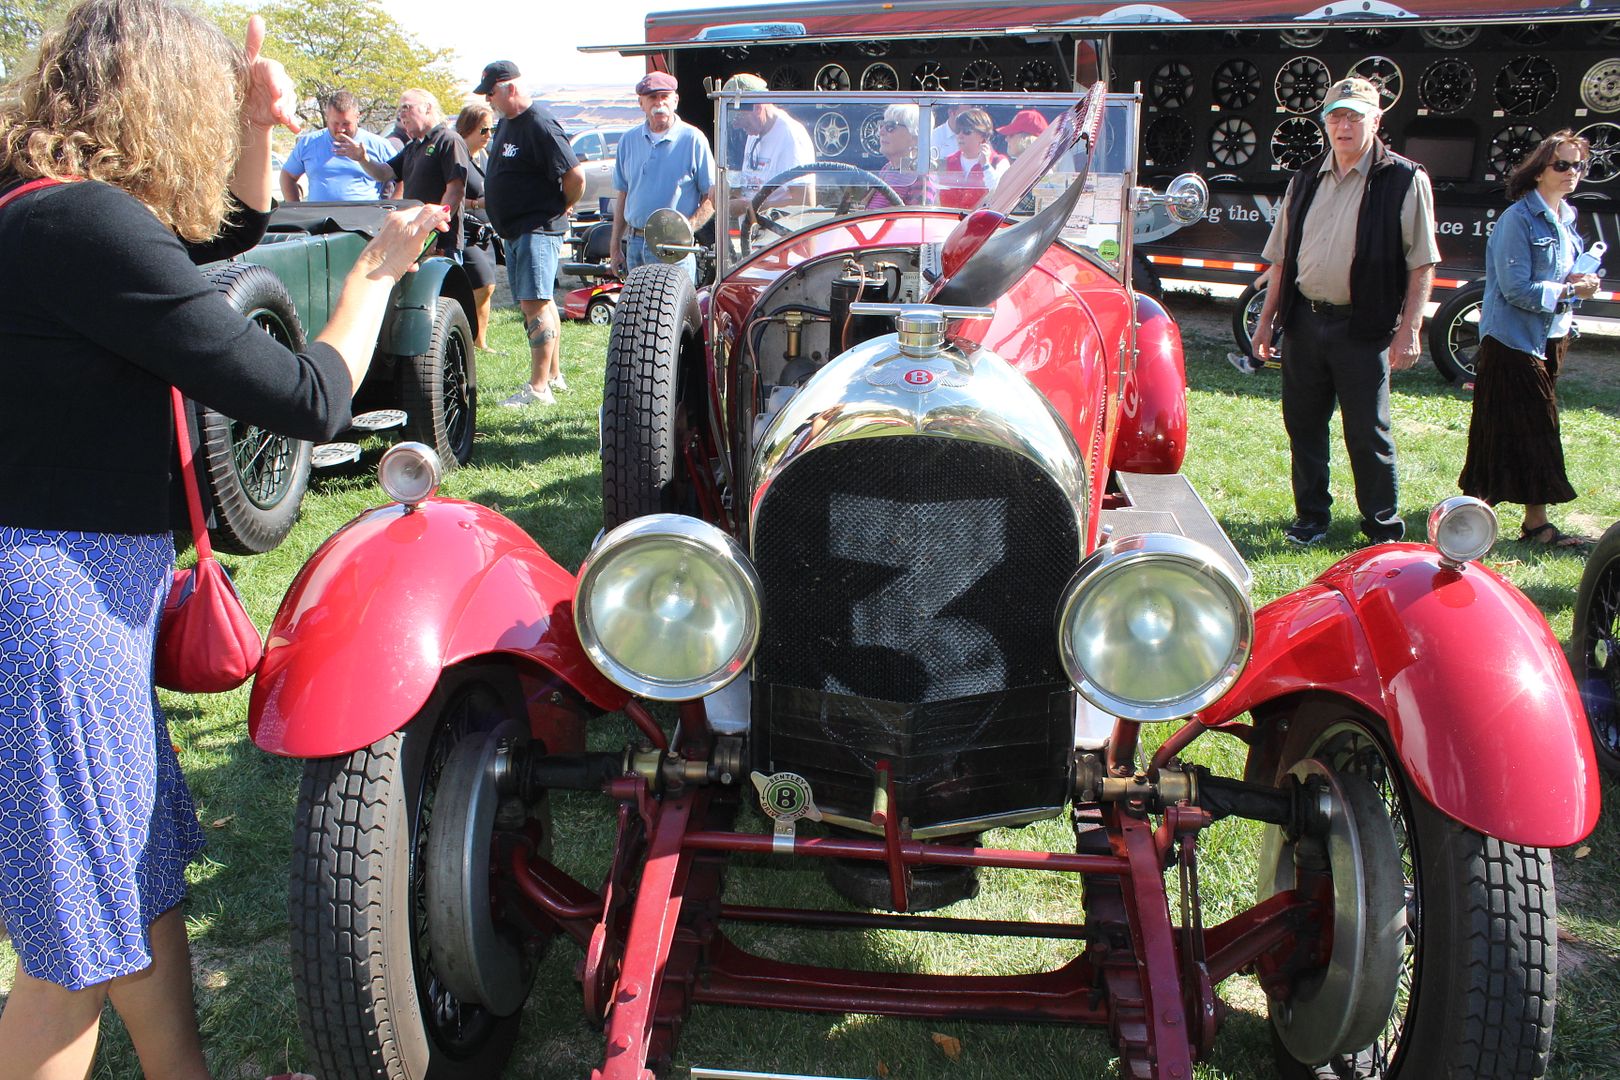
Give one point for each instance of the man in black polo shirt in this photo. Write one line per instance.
(532, 181)
(433, 163)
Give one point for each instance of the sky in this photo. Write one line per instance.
(543, 38)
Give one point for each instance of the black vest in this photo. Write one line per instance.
(1378, 272)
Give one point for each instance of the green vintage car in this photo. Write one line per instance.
(422, 383)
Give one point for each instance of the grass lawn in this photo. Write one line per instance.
(539, 466)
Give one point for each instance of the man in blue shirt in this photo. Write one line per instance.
(333, 176)
(664, 163)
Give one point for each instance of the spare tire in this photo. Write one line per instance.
(254, 479)
(644, 410)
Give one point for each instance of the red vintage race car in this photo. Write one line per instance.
(894, 531)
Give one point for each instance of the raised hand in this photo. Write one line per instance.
(271, 97)
(348, 146)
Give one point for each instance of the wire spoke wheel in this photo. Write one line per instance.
(1472, 978)
(359, 894)
(1595, 646)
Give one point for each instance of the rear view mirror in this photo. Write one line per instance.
(669, 236)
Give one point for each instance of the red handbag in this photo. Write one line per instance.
(206, 642)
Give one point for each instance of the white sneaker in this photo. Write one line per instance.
(528, 395)
(559, 384)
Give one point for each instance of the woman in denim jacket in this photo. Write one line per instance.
(1514, 454)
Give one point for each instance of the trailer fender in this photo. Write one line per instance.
(1469, 679)
(391, 600)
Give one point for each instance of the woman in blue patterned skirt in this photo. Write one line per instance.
(159, 131)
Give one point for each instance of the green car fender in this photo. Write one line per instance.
(408, 330)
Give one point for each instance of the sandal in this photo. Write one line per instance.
(1547, 535)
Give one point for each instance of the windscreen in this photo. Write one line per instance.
(791, 161)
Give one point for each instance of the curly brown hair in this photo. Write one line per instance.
(1522, 180)
(145, 95)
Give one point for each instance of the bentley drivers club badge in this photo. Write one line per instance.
(917, 376)
(785, 798)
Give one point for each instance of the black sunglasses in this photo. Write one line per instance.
(1569, 166)
(485, 131)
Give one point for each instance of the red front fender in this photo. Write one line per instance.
(390, 601)
(1464, 670)
(1153, 400)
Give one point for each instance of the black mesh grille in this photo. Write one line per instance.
(911, 586)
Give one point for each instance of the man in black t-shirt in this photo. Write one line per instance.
(532, 181)
(433, 164)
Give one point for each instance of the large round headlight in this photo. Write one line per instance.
(668, 607)
(1462, 528)
(1154, 627)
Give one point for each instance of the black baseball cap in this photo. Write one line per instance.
(498, 72)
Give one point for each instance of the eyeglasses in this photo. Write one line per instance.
(485, 131)
(1576, 167)
(890, 125)
(1346, 116)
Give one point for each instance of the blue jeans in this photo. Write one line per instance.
(637, 253)
(531, 264)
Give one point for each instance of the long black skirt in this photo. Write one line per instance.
(1514, 453)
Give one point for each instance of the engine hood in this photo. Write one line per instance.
(962, 392)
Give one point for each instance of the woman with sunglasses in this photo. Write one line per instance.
(475, 125)
(976, 165)
(897, 142)
(1531, 289)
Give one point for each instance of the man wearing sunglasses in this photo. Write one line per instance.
(664, 163)
(327, 158)
(532, 183)
(1349, 284)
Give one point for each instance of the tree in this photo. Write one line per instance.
(353, 45)
(21, 23)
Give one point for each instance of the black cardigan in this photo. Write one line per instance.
(101, 311)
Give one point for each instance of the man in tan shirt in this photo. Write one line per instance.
(1350, 288)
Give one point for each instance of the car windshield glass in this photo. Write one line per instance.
(792, 161)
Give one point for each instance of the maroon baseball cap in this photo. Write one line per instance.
(657, 82)
(1027, 122)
